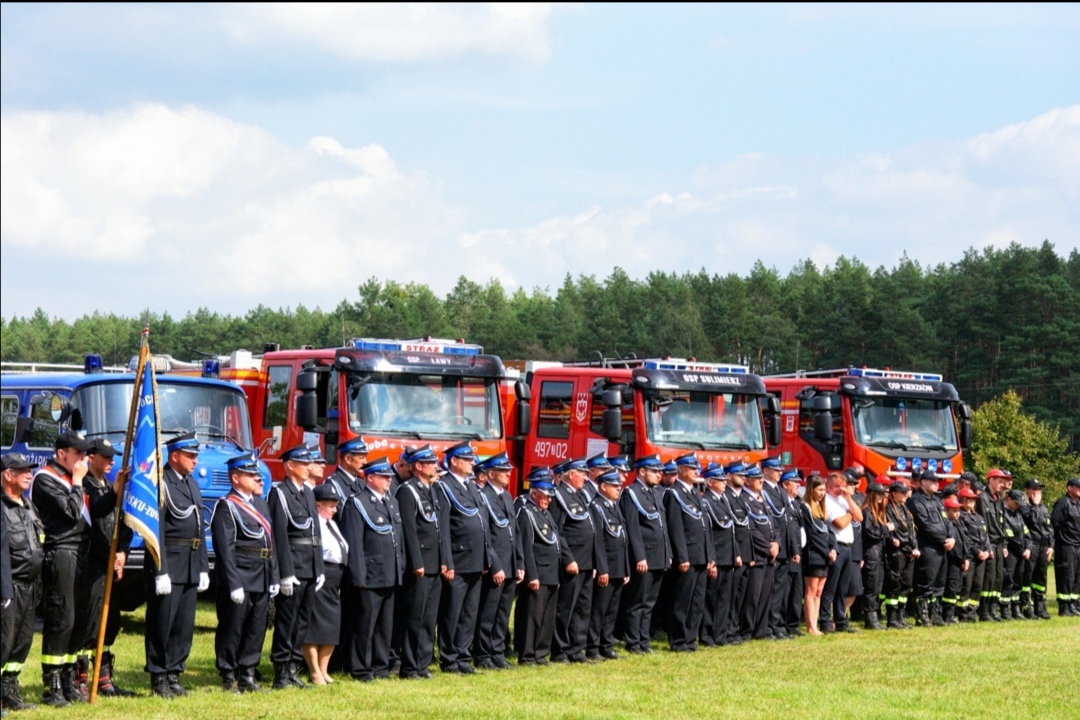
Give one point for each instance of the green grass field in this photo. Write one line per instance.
(1020, 669)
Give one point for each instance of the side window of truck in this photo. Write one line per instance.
(46, 429)
(278, 380)
(556, 402)
(9, 414)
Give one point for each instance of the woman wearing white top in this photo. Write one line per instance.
(324, 628)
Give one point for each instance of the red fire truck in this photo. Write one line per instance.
(668, 406)
(393, 393)
(888, 422)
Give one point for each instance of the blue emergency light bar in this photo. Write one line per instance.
(420, 345)
(894, 374)
(684, 365)
(211, 368)
(93, 364)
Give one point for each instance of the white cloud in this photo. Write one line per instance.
(401, 32)
(194, 209)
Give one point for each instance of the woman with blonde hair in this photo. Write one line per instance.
(875, 531)
(820, 550)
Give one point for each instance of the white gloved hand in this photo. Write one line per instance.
(6, 603)
(204, 581)
(237, 596)
(274, 590)
(288, 584)
(162, 585)
(319, 582)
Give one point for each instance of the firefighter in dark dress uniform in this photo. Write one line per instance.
(298, 551)
(1037, 519)
(60, 503)
(765, 543)
(650, 550)
(581, 557)
(791, 610)
(720, 588)
(23, 558)
(690, 535)
(608, 518)
(426, 532)
(246, 573)
(352, 454)
(102, 500)
(1066, 521)
(534, 618)
(736, 480)
(184, 573)
(775, 500)
(459, 499)
(497, 589)
(372, 528)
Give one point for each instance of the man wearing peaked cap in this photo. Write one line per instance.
(720, 585)
(497, 589)
(792, 593)
(650, 550)
(534, 615)
(426, 530)
(1037, 521)
(459, 499)
(101, 498)
(1018, 543)
(22, 557)
(352, 454)
(580, 553)
(1065, 518)
(184, 572)
(298, 547)
(734, 494)
(776, 503)
(934, 540)
(246, 574)
(622, 464)
(958, 560)
(991, 505)
(316, 467)
(611, 528)
(692, 554)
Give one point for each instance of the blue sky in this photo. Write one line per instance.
(226, 156)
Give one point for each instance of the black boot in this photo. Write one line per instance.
(948, 614)
(870, 621)
(1026, 606)
(246, 682)
(159, 685)
(922, 609)
(935, 612)
(995, 616)
(1018, 611)
(281, 676)
(1040, 609)
(53, 694)
(894, 622)
(174, 685)
(69, 682)
(106, 685)
(228, 682)
(984, 609)
(84, 672)
(11, 694)
(294, 676)
(1006, 610)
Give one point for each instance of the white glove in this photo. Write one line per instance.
(162, 585)
(288, 584)
(6, 603)
(274, 590)
(319, 582)
(204, 581)
(237, 596)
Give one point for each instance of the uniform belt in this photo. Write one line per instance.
(262, 553)
(192, 543)
(844, 544)
(317, 542)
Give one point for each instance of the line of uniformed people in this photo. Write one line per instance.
(379, 560)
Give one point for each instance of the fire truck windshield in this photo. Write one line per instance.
(424, 406)
(704, 421)
(904, 423)
(217, 414)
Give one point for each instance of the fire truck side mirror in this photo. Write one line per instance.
(823, 426)
(963, 410)
(307, 403)
(966, 434)
(524, 407)
(306, 381)
(611, 424)
(772, 405)
(612, 399)
(24, 430)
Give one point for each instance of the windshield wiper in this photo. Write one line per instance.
(730, 446)
(936, 448)
(106, 432)
(889, 444)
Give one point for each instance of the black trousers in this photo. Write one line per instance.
(833, 603)
(534, 622)
(374, 629)
(170, 626)
(421, 597)
(781, 585)
(1014, 572)
(573, 608)
(17, 627)
(954, 582)
(793, 607)
(605, 609)
(67, 595)
(642, 594)
(241, 630)
(493, 619)
(1067, 572)
(873, 577)
(971, 587)
(995, 573)
(1035, 573)
(899, 576)
(929, 566)
(661, 618)
(687, 605)
(757, 603)
(291, 616)
(96, 593)
(715, 621)
(458, 606)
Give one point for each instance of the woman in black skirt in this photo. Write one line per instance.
(324, 628)
(820, 550)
